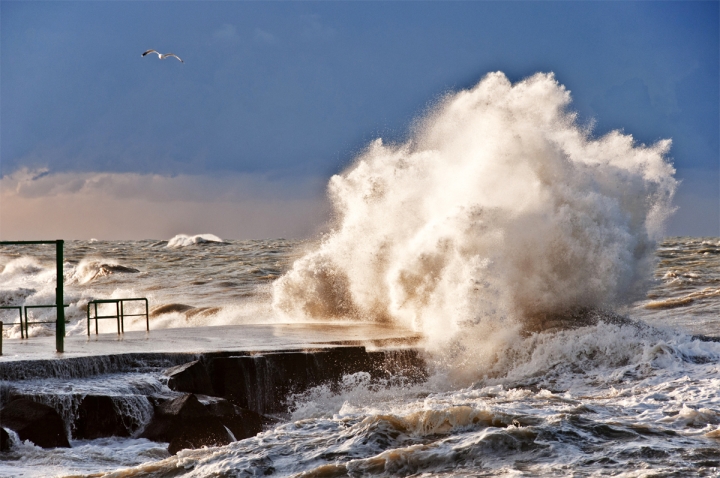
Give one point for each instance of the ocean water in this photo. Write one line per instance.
(610, 397)
(564, 334)
(187, 284)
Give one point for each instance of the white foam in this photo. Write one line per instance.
(499, 208)
(90, 269)
(183, 240)
(86, 457)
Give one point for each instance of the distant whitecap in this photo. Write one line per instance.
(182, 240)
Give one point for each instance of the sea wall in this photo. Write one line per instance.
(263, 382)
(242, 385)
(81, 367)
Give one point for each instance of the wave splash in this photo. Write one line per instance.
(90, 269)
(183, 240)
(500, 208)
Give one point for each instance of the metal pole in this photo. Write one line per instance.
(1, 328)
(60, 323)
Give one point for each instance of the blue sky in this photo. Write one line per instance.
(273, 98)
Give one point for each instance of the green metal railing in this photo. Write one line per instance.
(60, 319)
(19, 309)
(119, 313)
(50, 306)
(24, 327)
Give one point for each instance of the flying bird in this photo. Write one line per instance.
(162, 56)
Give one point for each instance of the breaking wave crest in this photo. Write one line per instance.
(90, 269)
(499, 210)
(183, 240)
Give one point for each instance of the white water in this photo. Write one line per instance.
(183, 240)
(499, 208)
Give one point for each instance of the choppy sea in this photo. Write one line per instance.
(606, 397)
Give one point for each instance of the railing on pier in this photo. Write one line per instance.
(47, 306)
(60, 306)
(60, 321)
(19, 309)
(119, 313)
(24, 334)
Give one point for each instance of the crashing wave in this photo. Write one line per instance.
(498, 209)
(183, 240)
(22, 266)
(91, 269)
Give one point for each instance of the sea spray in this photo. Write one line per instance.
(499, 208)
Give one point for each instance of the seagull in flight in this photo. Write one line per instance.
(162, 56)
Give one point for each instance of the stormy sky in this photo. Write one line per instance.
(274, 98)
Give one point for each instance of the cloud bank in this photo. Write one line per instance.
(37, 204)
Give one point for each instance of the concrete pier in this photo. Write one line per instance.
(228, 338)
(232, 376)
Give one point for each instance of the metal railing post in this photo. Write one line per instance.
(147, 317)
(19, 309)
(1, 328)
(117, 314)
(38, 306)
(60, 318)
(122, 316)
(60, 324)
(26, 323)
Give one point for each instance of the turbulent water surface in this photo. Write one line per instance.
(608, 397)
(563, 334)
(187, 282)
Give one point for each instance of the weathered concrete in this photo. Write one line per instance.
(239, 373)
(191, 377)
(226, 338)
(263, 382)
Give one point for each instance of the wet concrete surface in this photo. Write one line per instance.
(228, 338)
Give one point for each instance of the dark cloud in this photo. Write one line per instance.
(297, 89)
